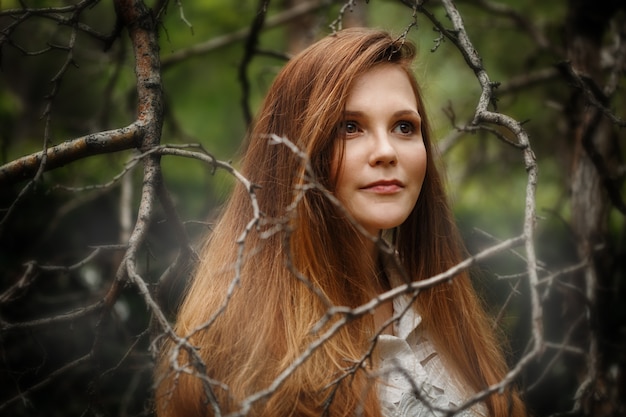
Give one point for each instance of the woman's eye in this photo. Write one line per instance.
(351, 127)
(405, 128)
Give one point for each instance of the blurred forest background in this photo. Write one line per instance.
(97, 238)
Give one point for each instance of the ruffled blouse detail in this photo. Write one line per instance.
(413, 379)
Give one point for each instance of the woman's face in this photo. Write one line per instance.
(384, 158)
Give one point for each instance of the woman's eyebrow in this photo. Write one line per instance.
(399, 113)
(352, 113)
(407, 112)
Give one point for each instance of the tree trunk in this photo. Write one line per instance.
(594, 153)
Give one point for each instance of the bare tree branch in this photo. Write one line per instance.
(56, 14)
(240, 35)
(70, 151)
(48, 380)
(129, 269)
(523, 22)
(459, 38)
(249, 51)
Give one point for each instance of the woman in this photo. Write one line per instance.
(362, 168)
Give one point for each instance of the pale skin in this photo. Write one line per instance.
(382, 171)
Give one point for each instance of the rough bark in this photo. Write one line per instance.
(593, 139)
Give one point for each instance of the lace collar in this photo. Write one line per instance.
(410, 364)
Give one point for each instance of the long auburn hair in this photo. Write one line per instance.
(258, 292)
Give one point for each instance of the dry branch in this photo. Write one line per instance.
(144, 134)
(71, 151)
(221, 41)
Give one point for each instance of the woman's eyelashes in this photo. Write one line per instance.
(351, 128)
(404, 128)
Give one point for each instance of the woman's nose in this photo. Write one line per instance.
(383, 151)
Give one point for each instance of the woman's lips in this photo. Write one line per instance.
(384, 187)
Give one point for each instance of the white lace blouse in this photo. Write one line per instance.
(409, 364)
